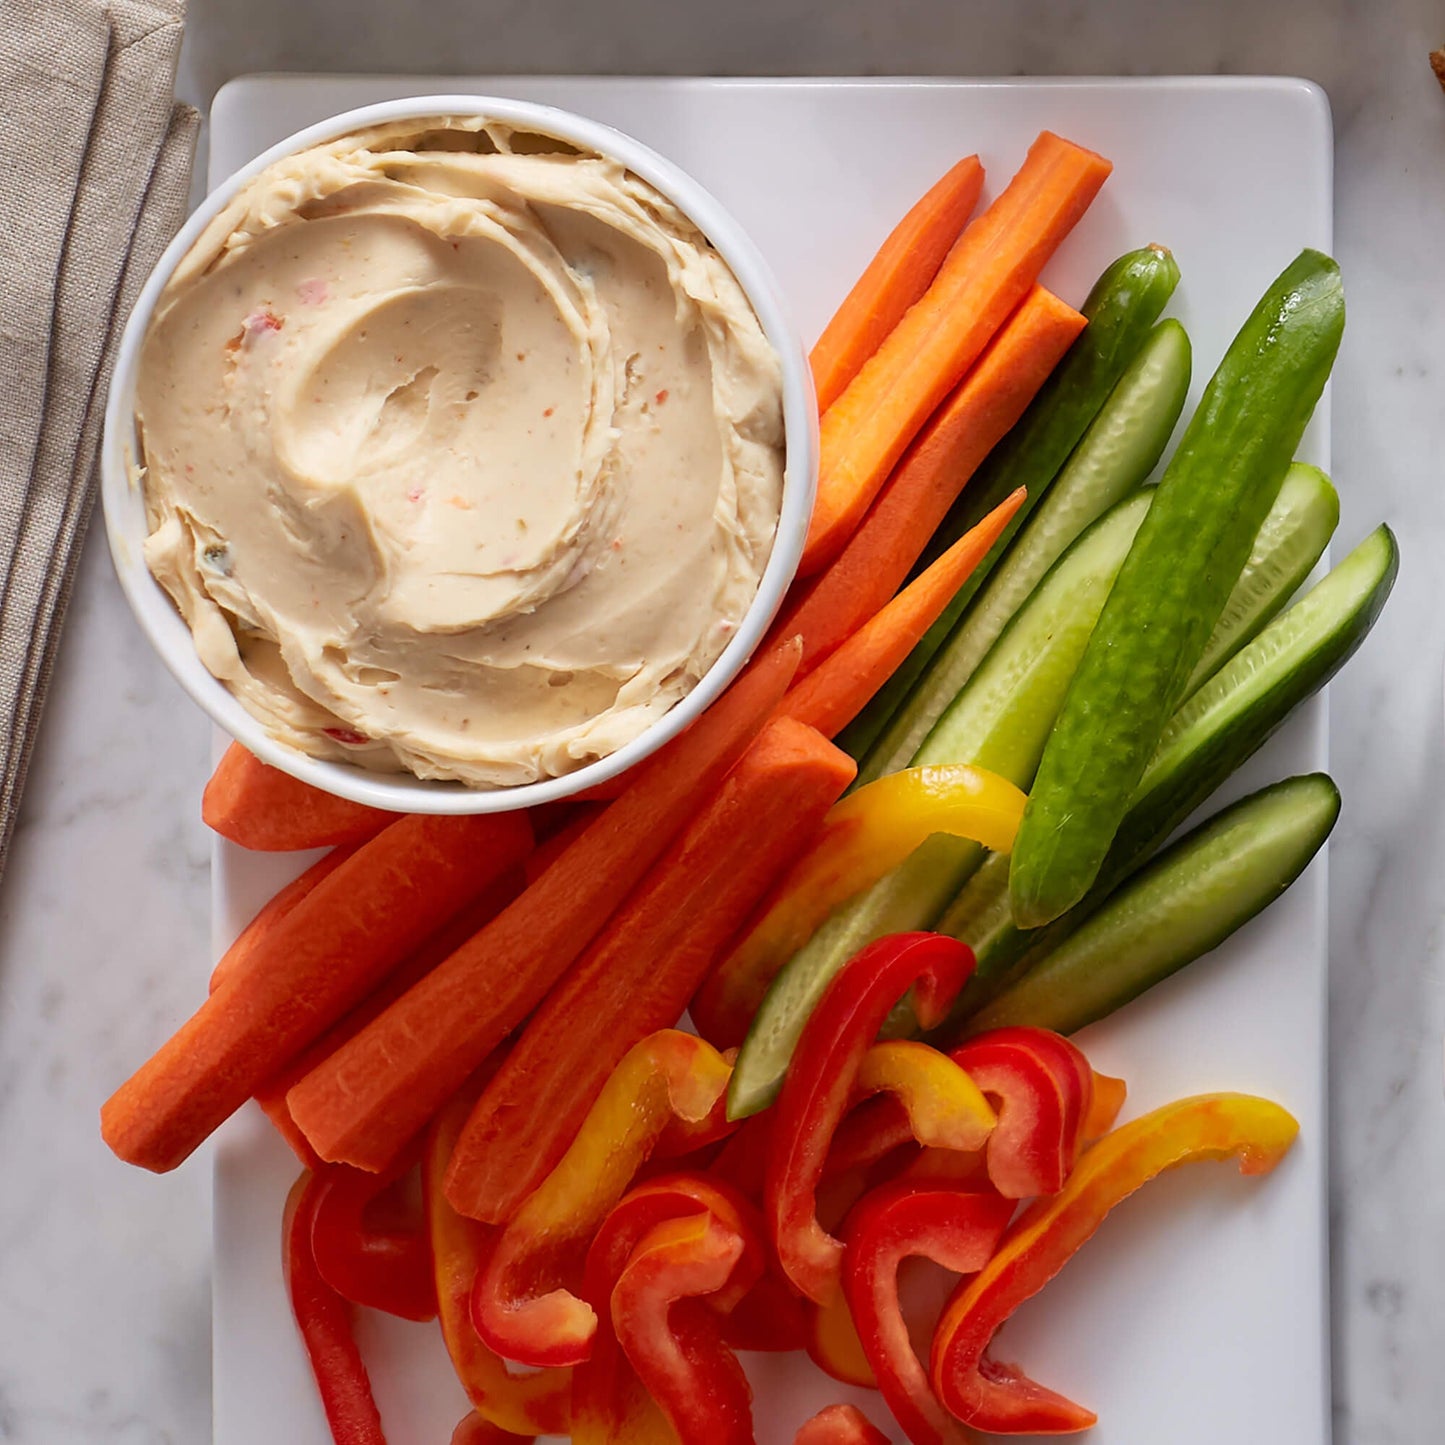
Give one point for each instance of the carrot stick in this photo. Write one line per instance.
(376, 1091)
(894, 279)
(271, 1096)
(262, 808)
(924, 485)
(326, 955)
(832, 695)
(640, 973)
(984, 278)
(546, 853)
(237, 957)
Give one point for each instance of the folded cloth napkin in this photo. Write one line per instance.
(96, 160)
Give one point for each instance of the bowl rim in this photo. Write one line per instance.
(403, 792)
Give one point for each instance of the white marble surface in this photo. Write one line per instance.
(104, 1314)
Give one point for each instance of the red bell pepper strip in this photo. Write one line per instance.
(743, 1159)
(609, 1403)
(996, 1397)
(527, 1405)
(820, 1083)
(324, 1319)
(839, 1425)
(524, 1305)
(1042, 1087)
(956, 1229)
(383, 1264)
(833, 1345)
(671, 1337)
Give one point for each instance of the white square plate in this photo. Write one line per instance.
(1198, 1314)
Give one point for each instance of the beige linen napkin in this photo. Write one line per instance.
(96, 160)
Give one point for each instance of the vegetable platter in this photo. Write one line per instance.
(1206, 1276)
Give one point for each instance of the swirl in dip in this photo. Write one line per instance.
(462, 451)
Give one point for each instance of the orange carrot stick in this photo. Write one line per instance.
(832, 695)
(271, 1096)
(325, 956)
(924, 485)
(264, 809)
(984, 278)
(253, 935)
(894, 279)
(640, 973)
(546, 853)
(372, 1095)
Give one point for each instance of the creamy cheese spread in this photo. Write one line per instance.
(462, 451)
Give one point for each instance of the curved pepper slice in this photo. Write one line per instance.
(673, 1340)
(324, 1319)
(385, 1265)
(1043, 1089)
(839, 1425)
(527, 1405)
(610, 1405)
(863, 838)
(953, 1228)
(472, 1429)
(820, 1082)
(524, 1306)
(999, 1398)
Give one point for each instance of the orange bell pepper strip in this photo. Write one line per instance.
(1042, 1087)
(822, 1079)
(956, 1229)
(673, 1340)
(1106, 1099)
(864, 837)
(839, 1425)
(538, 1403)
(833, 1345)
(992, 1396)
(324, 1320)
(472, 1429)
(524, 1305)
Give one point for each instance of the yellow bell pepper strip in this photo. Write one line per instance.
(864, 837)
(1042, 1087)
(839, 1425)
(995, 1397)
(673, 1340)
(821, 1081)
(324, 1320)
(524, 1305)
(538, 1403)
(833, 1345)
(943, 1103)
(956, 1229)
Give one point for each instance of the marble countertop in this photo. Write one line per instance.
(104, 1272)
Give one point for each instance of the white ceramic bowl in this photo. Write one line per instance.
(124, 506)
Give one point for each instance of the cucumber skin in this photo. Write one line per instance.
(1153, 928)
(1120, 449)
(1220, 649)
(1121, 308)
(1171, 590)
(1161, 805)
(1006, 738)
